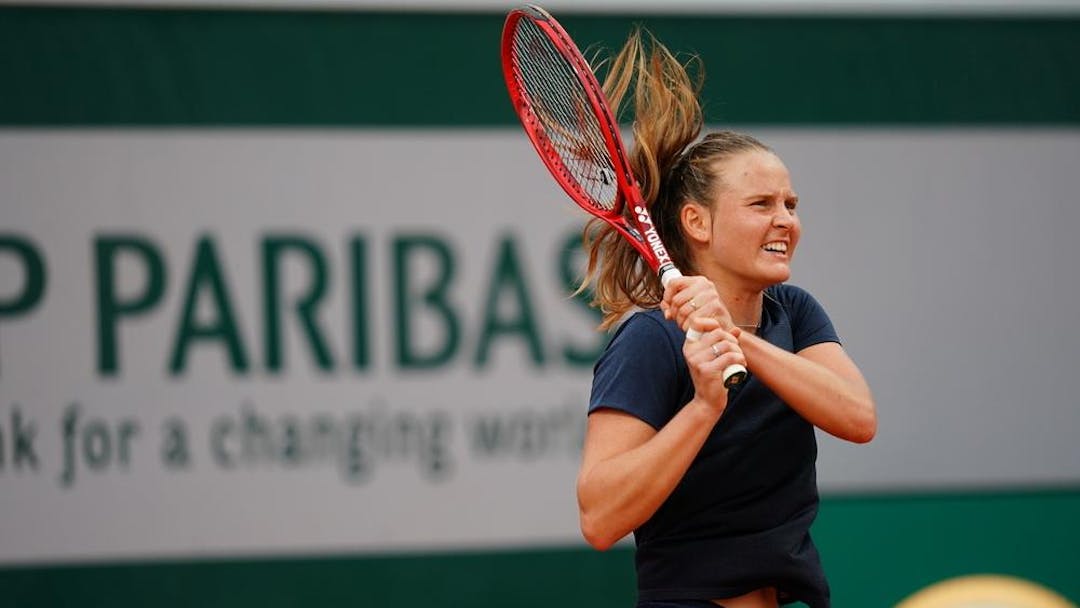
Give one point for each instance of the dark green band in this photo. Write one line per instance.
(65, 66)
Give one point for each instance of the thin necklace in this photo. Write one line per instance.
(756, 326)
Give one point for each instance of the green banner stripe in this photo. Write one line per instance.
(65, 66)
(877, 551)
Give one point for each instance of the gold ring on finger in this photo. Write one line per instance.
(715, 350)
(693, 304)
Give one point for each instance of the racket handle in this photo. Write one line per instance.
(733, 374)
(667, 273)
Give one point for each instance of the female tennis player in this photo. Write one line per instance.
(717, 485)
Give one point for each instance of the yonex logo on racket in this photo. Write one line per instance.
(651, 236)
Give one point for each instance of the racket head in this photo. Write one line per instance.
(564, 112)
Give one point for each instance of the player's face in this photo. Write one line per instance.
(755, 228)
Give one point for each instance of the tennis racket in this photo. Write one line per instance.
(569, 122)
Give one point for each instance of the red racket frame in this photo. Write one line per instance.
(642, 232)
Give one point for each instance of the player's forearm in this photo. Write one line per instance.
(837, 405)
(618, 494)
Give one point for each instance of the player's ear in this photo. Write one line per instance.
(696, 221)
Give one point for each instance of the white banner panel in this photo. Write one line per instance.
(297, 341)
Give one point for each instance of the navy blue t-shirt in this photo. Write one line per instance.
(739, 520)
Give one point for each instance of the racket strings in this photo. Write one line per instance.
(561, 105)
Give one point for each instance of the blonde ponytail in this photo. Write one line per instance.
(667, 118)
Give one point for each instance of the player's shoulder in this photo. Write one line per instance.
(794, 301)
(789, 295)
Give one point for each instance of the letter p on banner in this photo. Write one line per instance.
(19, 300)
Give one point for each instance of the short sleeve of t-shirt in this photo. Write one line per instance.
(810, 324)
(640, 372)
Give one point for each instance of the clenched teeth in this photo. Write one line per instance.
(779, 246)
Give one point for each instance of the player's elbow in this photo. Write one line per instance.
(595, 528)
(597, 535)
(864, 428)
(864, 434)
